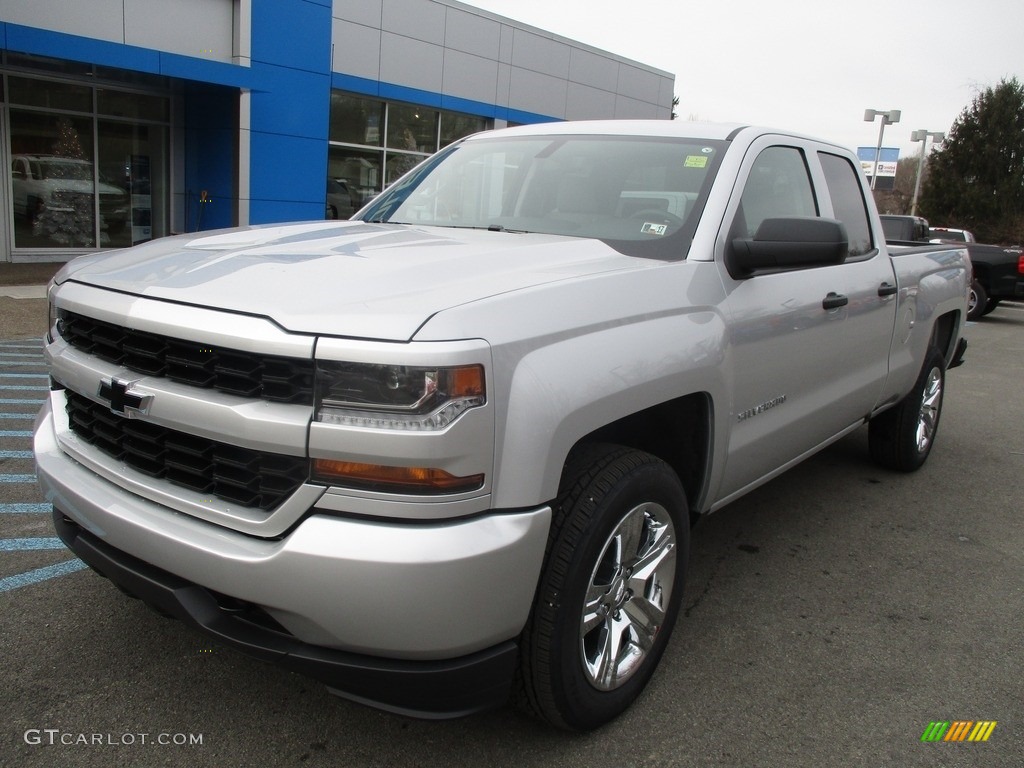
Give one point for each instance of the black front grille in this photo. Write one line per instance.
(239, 475)
(278, 379)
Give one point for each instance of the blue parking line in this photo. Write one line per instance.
(17, 478)
(40, 508)
(15, 416)
(30, 545)
(23, 375)
(15, 433)
(29, 355)
(15, 454)
(25, 387)
(41, 574)
(35, 363)
(19, 401)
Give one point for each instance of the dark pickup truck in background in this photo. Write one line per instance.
(998, 275)
(998, 270)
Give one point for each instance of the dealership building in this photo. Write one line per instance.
(125, 120)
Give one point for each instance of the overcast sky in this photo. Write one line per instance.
(812, 67)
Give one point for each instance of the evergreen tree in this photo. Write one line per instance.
(976, 180)
(68, 216)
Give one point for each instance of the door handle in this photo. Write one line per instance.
(834, 301)
(887, 289)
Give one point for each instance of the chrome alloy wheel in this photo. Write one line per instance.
(931, 403)
(629, 591)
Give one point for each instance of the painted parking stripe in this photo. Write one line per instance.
(34, 363)
(19, 401)
(15, 416)
(15, 433)
(30, 545)
(23, 375)
(40, 508)
(41, 574)
(17, 478)
(24, 387)
(15, 454)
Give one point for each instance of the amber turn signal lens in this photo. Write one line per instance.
(379, 477)
(467, 381)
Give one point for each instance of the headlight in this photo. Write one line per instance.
(396, 396)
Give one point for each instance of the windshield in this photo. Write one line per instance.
(949, 235)
(643, 196)
(58, 168)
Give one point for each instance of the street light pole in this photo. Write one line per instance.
(922, 136)
(889, 117)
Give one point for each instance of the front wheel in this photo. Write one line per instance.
(610, 590)
(902, 437)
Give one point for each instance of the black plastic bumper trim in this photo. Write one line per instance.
(429, 689)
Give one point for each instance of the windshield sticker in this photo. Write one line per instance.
(653, 229)
(696, 161)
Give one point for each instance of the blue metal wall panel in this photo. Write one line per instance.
(291, 102)
(211, 135)
(291, 55)
(42, 42)
(272, 211)
(292, 33)
(289, 169)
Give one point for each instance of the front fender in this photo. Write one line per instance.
(563, 391)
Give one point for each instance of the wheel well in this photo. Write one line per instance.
(678, 432)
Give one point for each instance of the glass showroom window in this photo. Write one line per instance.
(81, 178)
(373, 142)
(455, 125)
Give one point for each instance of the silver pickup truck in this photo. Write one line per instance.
(451, 450)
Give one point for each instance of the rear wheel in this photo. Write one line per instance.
(990, 306)
(977, 299)
(610, 590)
(902, 437)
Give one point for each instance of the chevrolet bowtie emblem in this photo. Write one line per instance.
(122, 401)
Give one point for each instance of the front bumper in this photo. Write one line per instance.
(433, 689)
(408, 616)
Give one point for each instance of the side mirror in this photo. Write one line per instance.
(797, 242)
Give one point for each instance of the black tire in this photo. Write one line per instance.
(902, 437)
(990, 306)
(598, 627)
(977, 299)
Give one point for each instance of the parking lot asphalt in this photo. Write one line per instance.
(830, 617)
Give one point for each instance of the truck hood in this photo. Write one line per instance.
(81, 186)
(354, 279)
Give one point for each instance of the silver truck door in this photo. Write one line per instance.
(809, 346)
